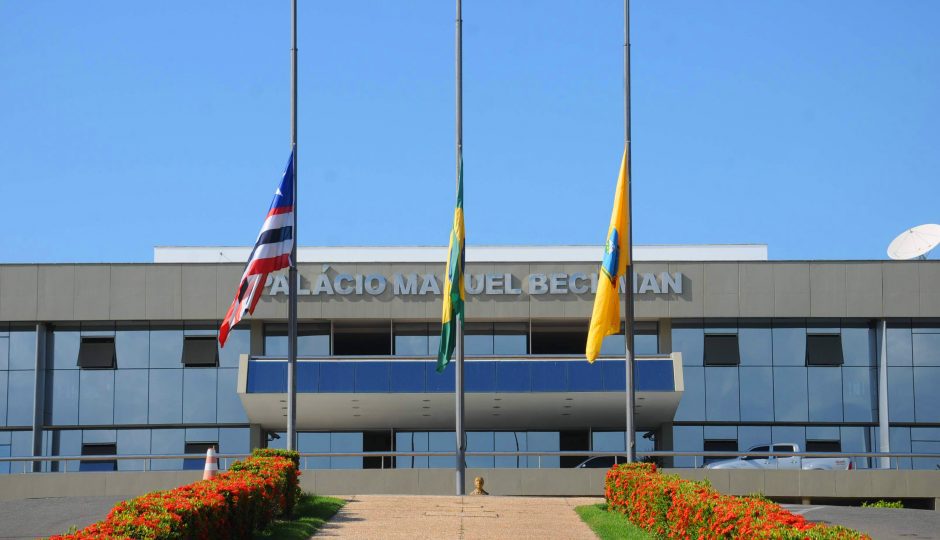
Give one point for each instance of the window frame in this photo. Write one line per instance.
(813, 361)
(85, 350)
(714, 337)
(202, 340)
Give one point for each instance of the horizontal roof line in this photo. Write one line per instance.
(475, 253)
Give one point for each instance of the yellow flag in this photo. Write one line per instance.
(605, 319)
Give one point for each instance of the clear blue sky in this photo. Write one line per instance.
(811, 126)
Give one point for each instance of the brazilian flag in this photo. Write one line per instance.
(454, 294)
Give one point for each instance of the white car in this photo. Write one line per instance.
(783, 462)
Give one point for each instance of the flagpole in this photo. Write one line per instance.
(630, 428)
(458, 371)
(292, 272)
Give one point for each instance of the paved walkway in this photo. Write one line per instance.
(876, 522)
(388, 517)
(32, 518)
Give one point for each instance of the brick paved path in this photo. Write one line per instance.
(387, 517)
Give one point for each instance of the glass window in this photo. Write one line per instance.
(166, 396)
(22, 347)
(858, 346)
(721, 350)
(926, 440)
(99, 449)
(478, 338)
(927, 394)
(132, 442)
(200, 351)
(719, 446)
(96, 353)
(346, 442)
(314, 443)
(689, 339)
(441, 441)
(237, 344)
(480, 441)
(4, 353)
(750, 436)
(926, 349)
(543, 441)
(510, 441)
(199, 395)
(195, 464)
(511, 338)
(167, 441)
(790, 401)
(166, 347)
(823, 350)
(721, 394)
(789, 341)
(900, 394)
(130, 396)
(411, 339)
(692, 403)
(789, 435)
(755, 343)
(823, 446)
(65, 343)
(3, 399)
(132, 345)
(825, 394)
(313, 339)
(900, 348)
(230, 409)
(687, 439)
(858, 393)
(757, 394)
(362, 338)
(645, 340)
(559, 338)
(856, 439)
(20, 398)
(234, 441)
(62, 396)
(900, 441)
(96, 397)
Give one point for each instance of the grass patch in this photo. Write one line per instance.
(610, 525)
(311, 512)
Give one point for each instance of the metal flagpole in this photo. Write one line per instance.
(630, 431)
(458, 371)
(292, 272)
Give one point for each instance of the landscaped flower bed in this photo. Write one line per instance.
(671, 507)
(232, 505)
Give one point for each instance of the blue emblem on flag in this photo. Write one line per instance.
(611, 261)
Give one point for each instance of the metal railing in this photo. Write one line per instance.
(225, 459)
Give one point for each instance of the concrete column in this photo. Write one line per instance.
(884, 438)
(257, 337)
(39, 394)
(256, 437)
(664, 442)
(665, 336)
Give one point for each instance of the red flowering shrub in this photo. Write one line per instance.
(232, 505)
(670, 507)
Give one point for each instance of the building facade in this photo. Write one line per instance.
(735, 351)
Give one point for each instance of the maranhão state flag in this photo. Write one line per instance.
(271, 252)
(605, 319)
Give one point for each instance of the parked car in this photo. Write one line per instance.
(601, 462)
(782, 462)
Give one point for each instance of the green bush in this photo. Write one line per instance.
(881, 503)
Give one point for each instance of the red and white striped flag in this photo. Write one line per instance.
(271, 253)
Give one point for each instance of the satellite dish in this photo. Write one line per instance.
(915, 243)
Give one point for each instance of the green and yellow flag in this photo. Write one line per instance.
(454, 293)
(605, 319)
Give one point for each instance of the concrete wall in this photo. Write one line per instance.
(548, 482)
(98, 292)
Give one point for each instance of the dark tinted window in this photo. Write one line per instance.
(559, 338)
(721, 350)
(99, 450)
(200, 351)
(823, 350)
(197, 448)
(96, 353)
(719, 446)
(823, 446)
(758, 449)
(363, 338)
(783, 449)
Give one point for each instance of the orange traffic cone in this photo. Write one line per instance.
(212, 465)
